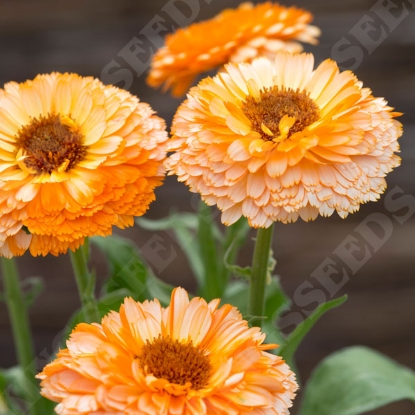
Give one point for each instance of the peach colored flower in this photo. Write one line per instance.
(273, 141)
(232, 36)
(191, 358)
(76, 158)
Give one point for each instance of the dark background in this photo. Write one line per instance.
(84, 37)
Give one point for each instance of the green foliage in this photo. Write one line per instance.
(14, 397)
(212, 285)
(32, 287)
(8, 405)
(129, 272)
(275, 301)
(234, 239)
(204, 246)
(354, 381)
(126, 268)
(237, 271)
(128, 276)
(184, 226)
(296, 337)
(237, 294)
(107, 302)
(244, 272)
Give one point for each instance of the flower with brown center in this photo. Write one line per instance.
(238, 35)
(275, 141)
(266, 112)
(49, 144)
(76, 158)
(179, 363)
(191, 358)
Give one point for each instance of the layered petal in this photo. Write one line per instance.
(275, 141)
(238, 35)
(77, 157)
(191, 358)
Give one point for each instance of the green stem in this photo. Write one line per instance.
(21, 333)
(213, 284)
(85, 282)
(259, 272)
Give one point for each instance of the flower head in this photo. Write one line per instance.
(76, 158)
(275, 141)
(232, 36)
(191, 358)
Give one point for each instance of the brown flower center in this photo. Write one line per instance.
(176, 362)
(50, 143)
(266, 112)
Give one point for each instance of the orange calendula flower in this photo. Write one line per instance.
(238, 35)
(76, 158)
(273, 141)
(191, 358)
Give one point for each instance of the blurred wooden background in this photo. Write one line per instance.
(40, 36)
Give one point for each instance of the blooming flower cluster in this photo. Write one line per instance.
(274, 141)
(269, 138)
(76, 158)
(234, 35)
(192, 357)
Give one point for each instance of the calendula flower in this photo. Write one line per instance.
(275, 141)
(76, 158)
(191, 358)
(232, 36)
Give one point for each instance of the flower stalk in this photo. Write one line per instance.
(21, 333)
(259, 271)
(214, 286)
(85, 282)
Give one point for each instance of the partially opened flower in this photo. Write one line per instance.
(76, 158)
(275, 141)
(232, 36)
(191, 358)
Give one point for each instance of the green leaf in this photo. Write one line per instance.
(354, 381)
(14, 380)
(184, 226)
(160, 290)
(8, 406)
(5, 408)
(32, 287)
(296, 337)
(186, 240)
(275, 301)
(129, 276)
(113, 300)
(275, 298)
(187, 220)
(13, 396)
(237, 271)
(235, 237)
(127, 269)
(237, 294)
(106, 303)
